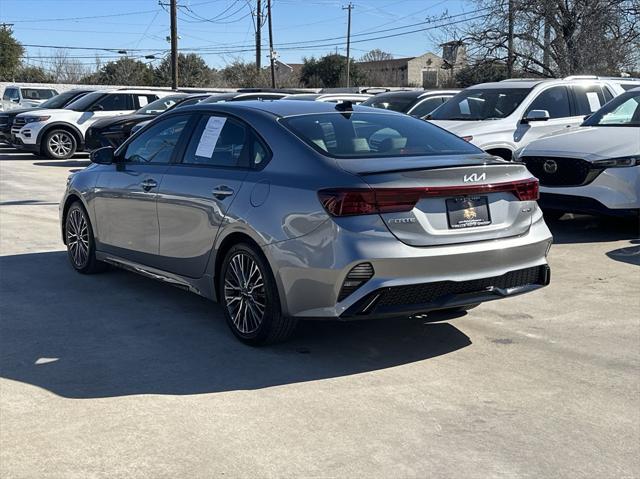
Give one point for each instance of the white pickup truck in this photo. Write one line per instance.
(16, 96)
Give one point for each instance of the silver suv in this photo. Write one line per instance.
(504, 116)
(292, 210)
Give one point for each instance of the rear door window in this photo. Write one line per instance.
(143, 100)
(115, 102)
(218, 141)
(589, 98)
(555, 100)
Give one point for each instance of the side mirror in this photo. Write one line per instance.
(102, 156)
(536, 115)
(96, 108)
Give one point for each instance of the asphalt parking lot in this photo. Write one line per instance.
(115, 375)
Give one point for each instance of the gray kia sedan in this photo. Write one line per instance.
(289, 210)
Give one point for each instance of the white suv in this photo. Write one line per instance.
(58, 134)
(504, 116)
(16, 96)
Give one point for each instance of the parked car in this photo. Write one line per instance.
(245, 96)
(503, 116)
(58, 134)
(58, 101)
(113, 131)
(293, 210)
(594, 168)
(16, 96)
(418, 103)
(354, 98)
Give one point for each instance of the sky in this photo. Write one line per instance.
(223, 30)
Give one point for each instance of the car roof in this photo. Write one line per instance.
(504, 84)
(283, 108)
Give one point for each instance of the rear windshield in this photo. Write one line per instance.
(362, 135)
(394, 103)
(629, 86)
(161, 105)
(37, 94)
(481, 104)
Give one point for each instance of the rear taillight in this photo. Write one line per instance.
(361, 201)
(350, 202)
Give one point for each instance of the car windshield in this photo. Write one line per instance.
(621, 111)
(481, 104)
(159, 106)
(61, 100)
(369, 135)
(395, 103)
(81, 104)
(37, 93)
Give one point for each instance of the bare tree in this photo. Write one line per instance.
(560, 37)
(64, 69)
(376, 55)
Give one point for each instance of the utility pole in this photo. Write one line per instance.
(258, 35)
(349, 8)
(510, 55)
(174, 45)
(272, 56)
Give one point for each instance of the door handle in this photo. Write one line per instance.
(148, 184)
(222, 192)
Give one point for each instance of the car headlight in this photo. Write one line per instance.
(621, 162)
(31, 119)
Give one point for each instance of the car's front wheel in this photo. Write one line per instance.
(248, 293)
(81, 248)
(59, 145)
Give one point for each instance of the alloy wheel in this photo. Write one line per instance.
(244, 293)
(60, 144)
(78, 237)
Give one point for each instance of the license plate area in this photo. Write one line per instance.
(468, 212)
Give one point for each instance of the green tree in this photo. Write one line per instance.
(244, 75)
(10, 54)
(481, 72)
(125, 71)
(192, 71)
(32, 74)
(329, 72)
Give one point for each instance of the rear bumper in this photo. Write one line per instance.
(415, 299)
(311, 270)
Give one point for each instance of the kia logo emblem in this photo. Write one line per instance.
(474, 177)
(550, 166)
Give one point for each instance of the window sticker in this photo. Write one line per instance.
(210, 136)
(143, 101)
(594, 101)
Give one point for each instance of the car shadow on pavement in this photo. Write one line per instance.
(65, 163)
(117, 334)
(629, 254)
(593, 229)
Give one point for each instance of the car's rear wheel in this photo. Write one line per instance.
(59, 145)
(81, 248)
(249, 296)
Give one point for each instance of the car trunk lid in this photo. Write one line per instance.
(456, 201)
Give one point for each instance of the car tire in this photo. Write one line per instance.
(59, 144)
(81, 245)
(248, 294)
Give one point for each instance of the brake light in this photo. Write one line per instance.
(361, 201)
